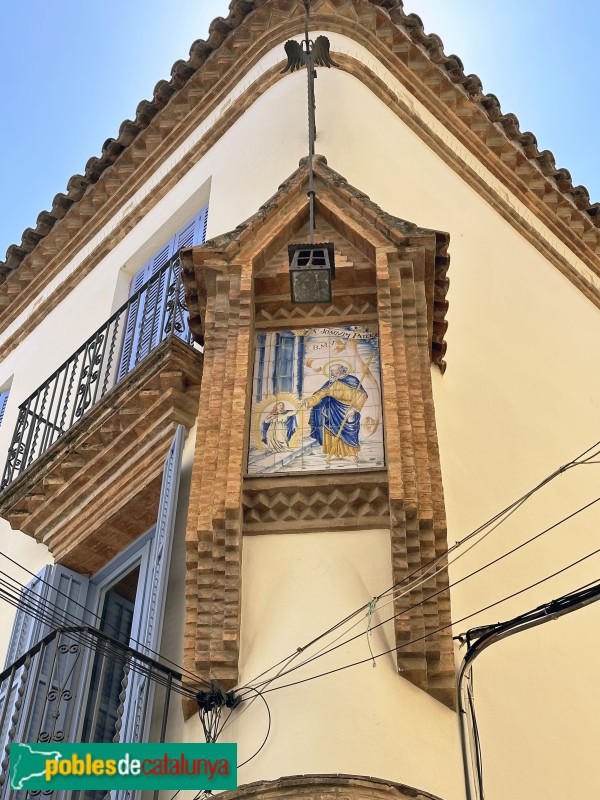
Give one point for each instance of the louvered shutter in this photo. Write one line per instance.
(147, 323)
(131, 326)
(26, 631)
(3, 402)
(48, 698)
(152, 312)
(150, 600)
(54, 680)
(144, 317)
(194, 232)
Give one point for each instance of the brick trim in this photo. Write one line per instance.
(219, 279)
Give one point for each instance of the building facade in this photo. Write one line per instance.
(210, 482)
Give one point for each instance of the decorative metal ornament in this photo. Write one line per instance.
(311, 266)
(297, 57)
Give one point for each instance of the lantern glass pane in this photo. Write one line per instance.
(311, 286)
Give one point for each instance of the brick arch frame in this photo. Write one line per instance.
(410, 268)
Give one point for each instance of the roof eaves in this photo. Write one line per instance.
(200, 51)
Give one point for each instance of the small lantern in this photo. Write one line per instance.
(312, 268)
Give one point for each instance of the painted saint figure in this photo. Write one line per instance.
(335, 413)
(278, 428)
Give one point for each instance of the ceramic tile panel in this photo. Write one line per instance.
(316, 401)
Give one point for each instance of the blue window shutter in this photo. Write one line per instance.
(53, 716)
(140, 323)
(132, 323)
(65, 597)
(185, 237)
(148, 330)
(53, 598)
(26, 630)
(200, 233)
(194, 232)
(151, 597)
(144, 330)
(3, 402)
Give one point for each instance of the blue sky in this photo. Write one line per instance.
(72, 71)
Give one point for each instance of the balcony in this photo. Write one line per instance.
(77, 684)
(83, 469)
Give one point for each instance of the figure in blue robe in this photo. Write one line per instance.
(335, 414)
(278, 427)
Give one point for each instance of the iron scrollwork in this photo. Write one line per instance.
(79, 383)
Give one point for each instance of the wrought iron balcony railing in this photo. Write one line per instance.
(80, 685)
(155, 312)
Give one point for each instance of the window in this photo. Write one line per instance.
(3, 402)
(144, 328)
(74, 692)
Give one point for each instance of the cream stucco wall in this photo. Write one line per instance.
(519, 398)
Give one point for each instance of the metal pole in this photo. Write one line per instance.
(538, 616)
(311, 121)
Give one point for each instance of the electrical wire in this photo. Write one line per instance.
(264, 741)
(254, 699)
(30, 603)
(496, 521)
(204, 792)
(330, 648)
(501, 516)
(45, 612)
(437, 630)
(98, 618)
(115, 650)
(476, 748)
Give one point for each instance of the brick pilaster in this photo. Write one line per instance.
(214, 535)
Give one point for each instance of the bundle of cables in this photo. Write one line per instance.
(210, 705)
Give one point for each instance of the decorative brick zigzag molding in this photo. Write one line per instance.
(342, 501)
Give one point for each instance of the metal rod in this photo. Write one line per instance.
(158, 301)
(163, 725)
(100, 363)
(98, 691)
(163, 299)
(311, 121)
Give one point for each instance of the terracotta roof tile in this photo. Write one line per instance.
(200, 50)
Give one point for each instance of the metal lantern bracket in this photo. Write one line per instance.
(312, 265)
